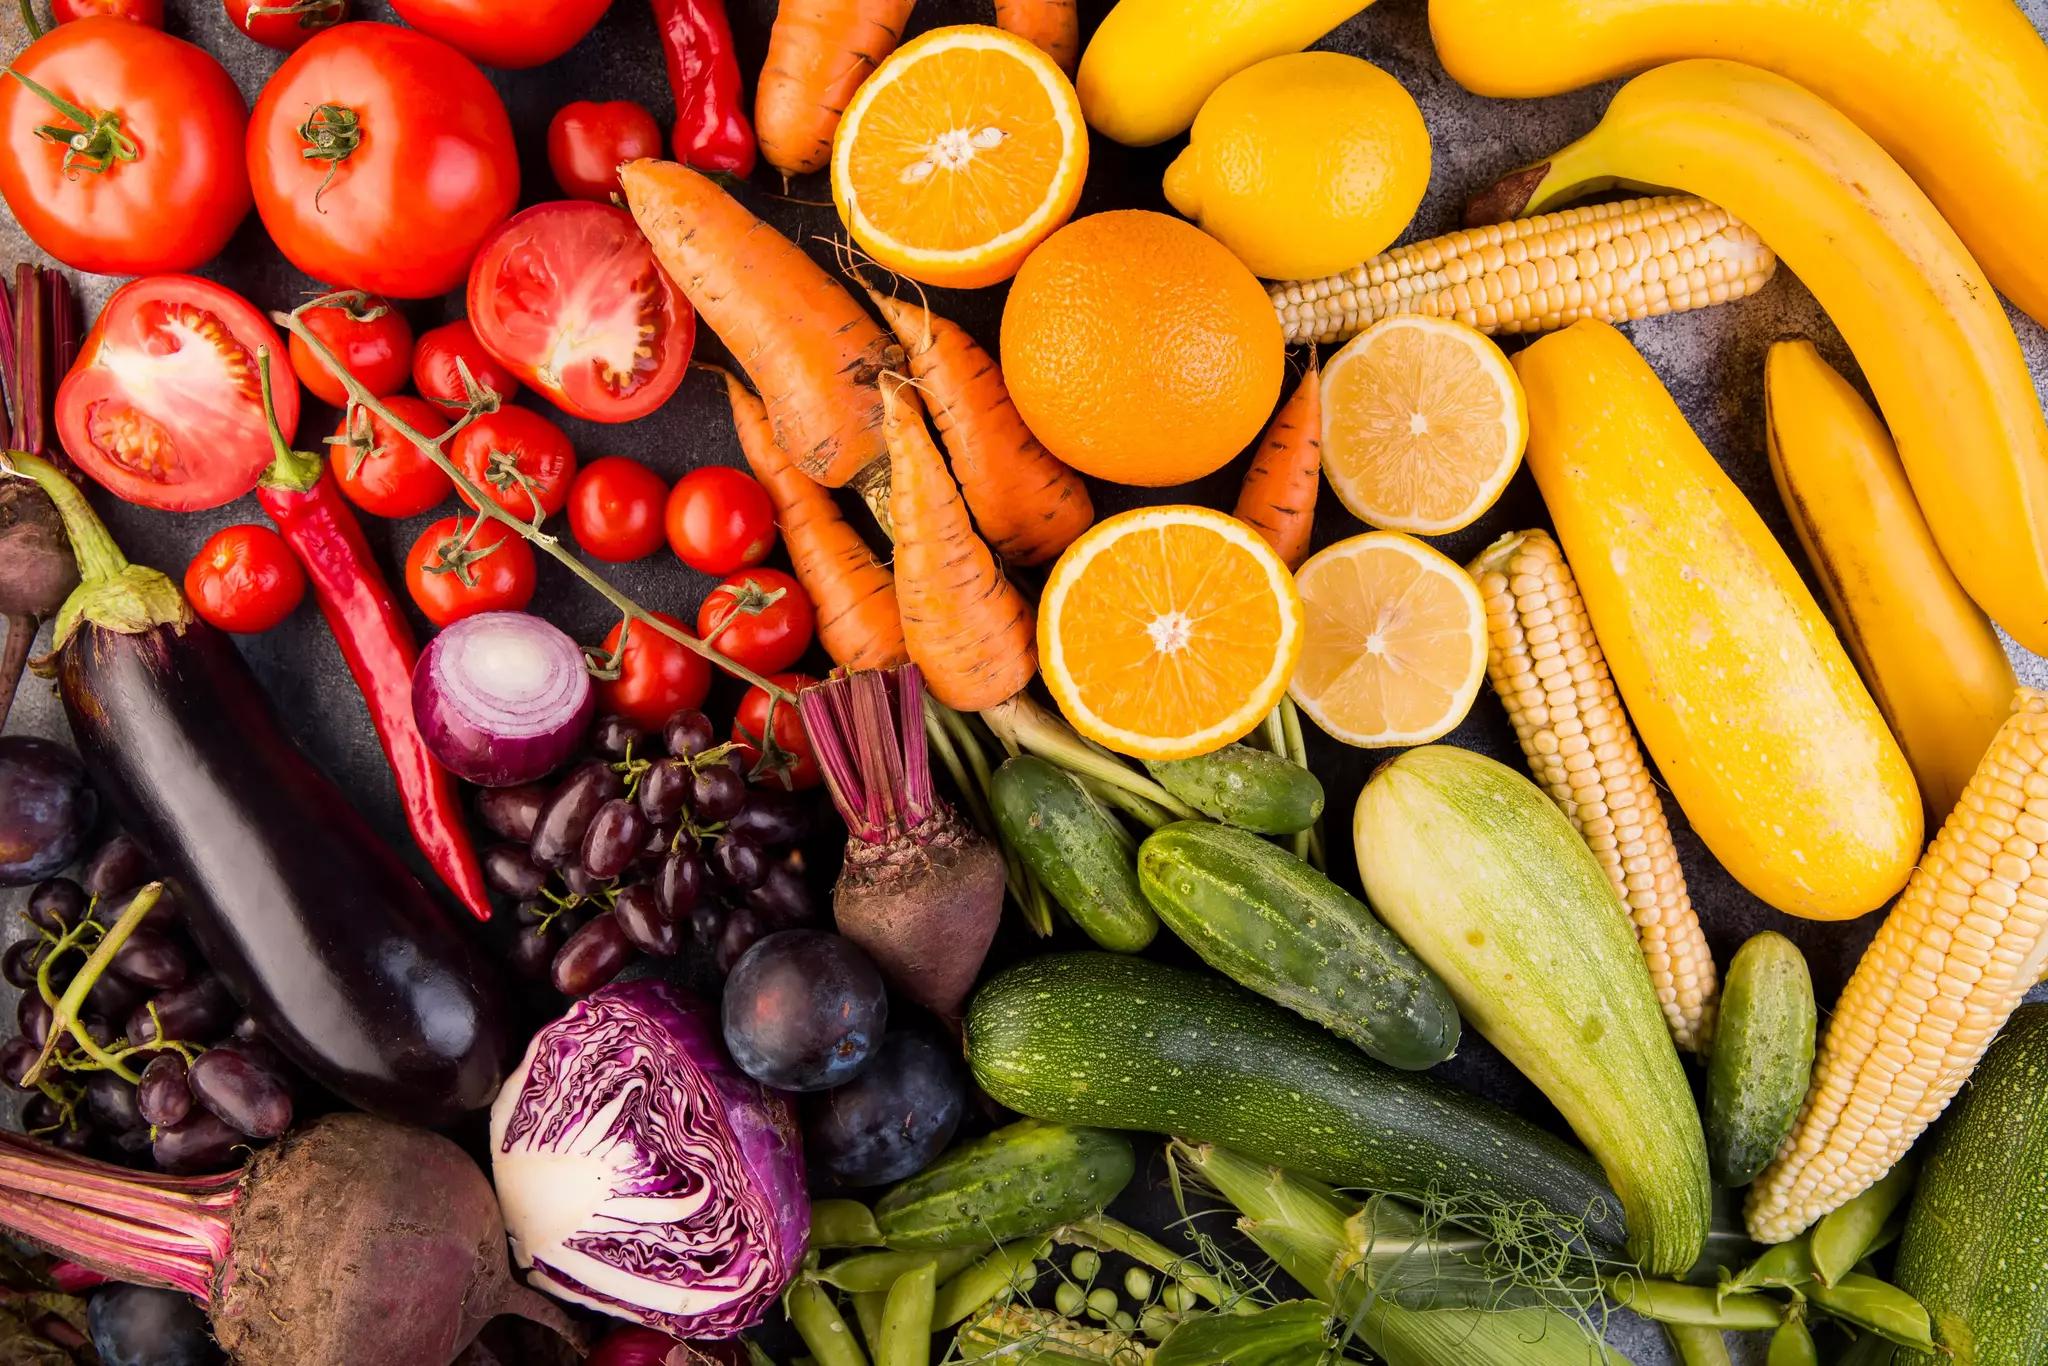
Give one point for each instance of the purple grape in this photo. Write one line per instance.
(804, 1010)
(201, 1009)
(151, 959)
(99, 1029)
(679, 884)
(656, 846)
(784, 899)
(512, 812)
(592, 957)
(510, 872)
(891, 1120)
(614, 839)
(639, 915)
(164, 1097)
(533, 949)
(707, 923)
(664, 789)
(717, 793)
(75, 1139)
(118, 866)
(739, 863)
(16, 1057)
(243, 1094)
(131, 1142)
(56, 904)
(47, 809)
(35, 1017)
(689, 733)
(743, 929)
(773, 820)
(112, 996)
(579, 882)
(112, 1101)
(200, 1143)
(558, 833)
(162, 914)
(613, 736)
(18, 963)
(135, 1325)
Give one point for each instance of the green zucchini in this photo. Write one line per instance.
(1018, 1182)
(1975, 1247)
(1762, 1057)
(1078, 851)
(1252, 789)
(1486, 880)
(1268, 921)
(1126, 1043)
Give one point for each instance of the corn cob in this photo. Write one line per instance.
(1965, 941)
(1547, 667)
(1637, 258)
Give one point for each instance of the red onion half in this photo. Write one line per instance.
(501, 698)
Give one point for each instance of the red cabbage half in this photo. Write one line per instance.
(642, 1174)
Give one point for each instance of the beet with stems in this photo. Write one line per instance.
(38, 336)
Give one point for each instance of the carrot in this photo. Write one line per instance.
(1052, 25)
(814, 355)
(967, 626)
(1279, 494)
(819, 51)
(1028, 504)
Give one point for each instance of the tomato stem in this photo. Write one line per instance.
(97, 141)
(332, 132)
(312, 13)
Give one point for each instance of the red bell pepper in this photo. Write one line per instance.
(712, 132)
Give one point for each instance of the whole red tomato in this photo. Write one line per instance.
(588, 142)
(370, 338)
(154, 179)
(383, 473)
(149, 12)
(505, 33)
(777, 750)
(760, 617)
(467, 564)
(615, 509)
(657, 676)
(164, 404)
(380, 159)
(284, 24)
(520, 457)
(720, 520)
(245, 579)
(437, 376)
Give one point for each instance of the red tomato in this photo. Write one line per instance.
(414, 164)
(505, 33)
(370, 338)
(520, 457)
(383, 473)
(588, 142)
(761, 618)
(284, 24)
(657, 676)
(245, 579)
(436, 375)
(720, 520)
(149, 12)
(159, 184)
(568, 294)
(463, 565)
(615, 509)
(163, 405)
(788, 760)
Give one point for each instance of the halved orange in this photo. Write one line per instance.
(961, 153)
(1166, 632)
(1395, 645)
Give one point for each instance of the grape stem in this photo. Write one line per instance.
(65, 1008)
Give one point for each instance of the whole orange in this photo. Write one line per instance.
(1139, 350)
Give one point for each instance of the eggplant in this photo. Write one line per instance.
(324, 937)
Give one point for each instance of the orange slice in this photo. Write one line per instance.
(1396, 641)
(1423, 424)
(961, 153)
(1167, 632)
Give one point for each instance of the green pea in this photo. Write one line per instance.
(1069, 1299)
(1086, 1266)
(1178, 1298)
(1103, 1302)
(1138, 1284)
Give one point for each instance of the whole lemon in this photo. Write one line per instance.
(1139, 350)
(1304, 165)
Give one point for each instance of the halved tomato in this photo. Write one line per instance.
(569, 296)
(164, 405)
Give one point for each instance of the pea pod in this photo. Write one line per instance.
(1699, 1306)
(1848, 1235)
(1252, 789)
(1076, 849)
(1884, 1309)
(1792, 1345)
(907, 1319)
(1698, 1346)
(866, 1272)
(843, 1223)
(1011, 1267)
(818, 1322)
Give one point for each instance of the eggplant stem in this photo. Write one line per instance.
(65, 1018)
(92, 545)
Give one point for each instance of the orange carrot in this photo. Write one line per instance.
(1028, 504)
(813, 354)
(819, 51)
(1052, 25)
(967, 626)
(1279, 494)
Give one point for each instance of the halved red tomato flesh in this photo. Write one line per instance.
(163, 405)
(569, 296)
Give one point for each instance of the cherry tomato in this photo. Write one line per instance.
(720, 520)
(615, 509)
(505, 33)
(569, 296)
(164, 405)
(789, 760)
(159, 182)
(657, 677)
(766, 617)
(436, 375)
(245, 579)
(520, 457)
(383, 473)
(371, 339)
(588, 142)
(285, 24)
(149, 12)
(380, 159)
(467, 564)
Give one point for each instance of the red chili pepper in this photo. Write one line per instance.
(712, 132)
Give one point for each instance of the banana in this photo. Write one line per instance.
(1932, 662)
(1923, 321)
(1956, 90)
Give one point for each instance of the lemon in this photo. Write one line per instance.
(1304, 165)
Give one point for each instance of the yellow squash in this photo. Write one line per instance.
(1740, 690)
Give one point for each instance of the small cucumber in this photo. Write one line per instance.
(1252, 789)
(1762, 1057)
(1270, 922)
(1076, 849)
(1018, 1182)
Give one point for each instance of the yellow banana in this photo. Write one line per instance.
(1956, 90)
(1931, 660)
(1923, 321)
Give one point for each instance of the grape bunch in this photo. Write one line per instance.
(653, 843)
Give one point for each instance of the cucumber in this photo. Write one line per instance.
(1481, 874)
(1126, 1043)
(1975, 1247)
(1017, 1182)
(1252, 789)
(1268, 921)
(1762, 1058)
(1077, 850)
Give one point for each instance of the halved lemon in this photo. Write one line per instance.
(1396, 642)
(1167, 632)
(962, 152)
(1423, 424)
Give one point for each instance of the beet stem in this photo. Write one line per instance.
(868, 732)
(21, 638)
